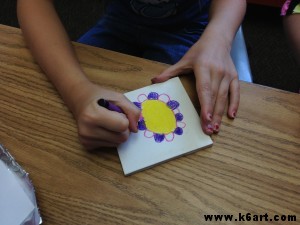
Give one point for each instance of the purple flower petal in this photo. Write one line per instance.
(138, 104)
(179, 117)
(142, 125)
(172, 104)
(153, 95)
(159, 137)
(178, 131)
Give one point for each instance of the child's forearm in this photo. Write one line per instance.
(51, 46)
(225, 17)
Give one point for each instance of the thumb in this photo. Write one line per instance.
(170, 72)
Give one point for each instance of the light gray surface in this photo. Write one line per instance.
(240, 57)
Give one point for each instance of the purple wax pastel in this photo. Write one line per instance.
(113, 107)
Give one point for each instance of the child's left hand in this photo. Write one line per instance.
(216, 79)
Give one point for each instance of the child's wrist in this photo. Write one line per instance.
(218, 35)
(74, 94)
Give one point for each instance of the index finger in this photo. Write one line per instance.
(112, 121)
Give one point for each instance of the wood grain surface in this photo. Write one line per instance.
(252, 167)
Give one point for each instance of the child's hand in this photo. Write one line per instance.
(97, 126)
(216, 78)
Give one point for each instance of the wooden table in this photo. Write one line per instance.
(253, 166)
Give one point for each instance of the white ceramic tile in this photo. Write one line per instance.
(141, 151)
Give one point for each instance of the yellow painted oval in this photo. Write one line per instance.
(158, 117)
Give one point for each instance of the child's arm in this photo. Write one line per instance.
(210, 60)
(52, 49)
(291, 25)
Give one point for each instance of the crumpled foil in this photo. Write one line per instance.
(23, 178)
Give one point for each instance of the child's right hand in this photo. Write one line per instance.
(97, 126)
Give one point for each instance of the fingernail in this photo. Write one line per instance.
(210, 128)
(233, 114)
(216, 127)
(153, 80)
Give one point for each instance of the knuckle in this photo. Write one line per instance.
(231, 74)
(234, 75)
(220, 70)
(213, 96)
(223, 96)
(122, 137)
(123, 125)
(204, 87)
(120, 96)
(86, 118)
(83, 132)
(85, 143)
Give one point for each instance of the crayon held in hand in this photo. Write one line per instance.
(110, 106)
